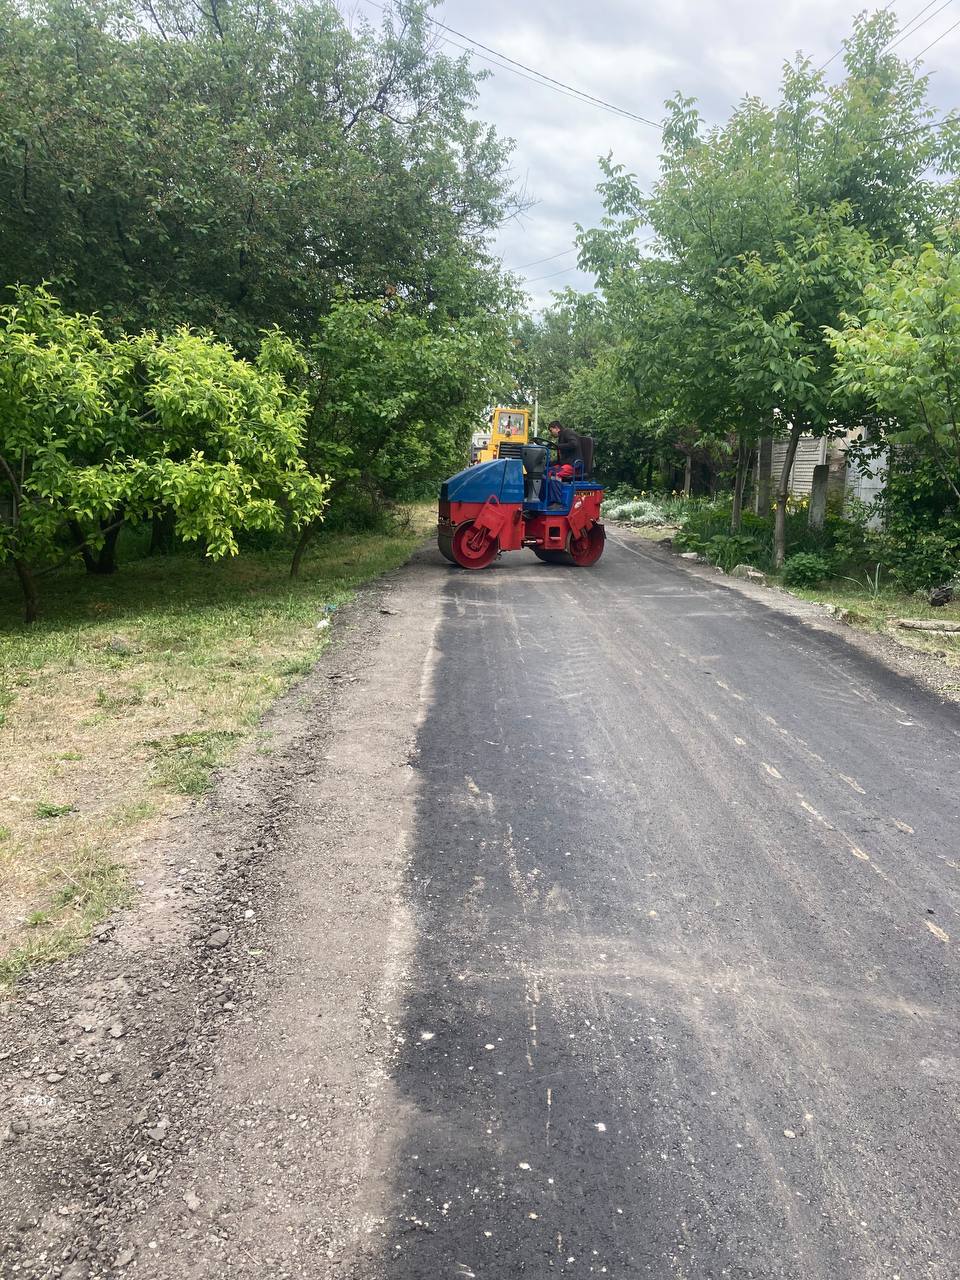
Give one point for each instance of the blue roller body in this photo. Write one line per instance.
(503, 477)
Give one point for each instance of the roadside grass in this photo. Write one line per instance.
(120, 703)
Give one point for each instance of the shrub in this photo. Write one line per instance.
(729, 549)
(651, 509)
(805, 569)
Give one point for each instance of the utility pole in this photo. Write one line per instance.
(536, 410)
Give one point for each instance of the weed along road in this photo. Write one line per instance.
(605, 922)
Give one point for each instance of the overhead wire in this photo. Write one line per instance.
(550, 275)
(582, 93)
(565, 270)
(911, 30)
(506, 63)
(889, 5)
(937, 41)
(536, 262)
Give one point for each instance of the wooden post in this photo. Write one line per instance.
(818, 496)
(764, 476)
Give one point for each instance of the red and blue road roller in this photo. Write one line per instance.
(514, 502)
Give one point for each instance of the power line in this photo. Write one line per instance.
(520, 69)
(502, 66)
(550, 275)
(589, 97)
(564, 270)
(937, 41)
(823, 66)
(910, 30)
(536, 262)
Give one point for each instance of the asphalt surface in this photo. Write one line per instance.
(683, 1000)
(594, 922)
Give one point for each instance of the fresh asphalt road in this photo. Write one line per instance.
(684, 1001)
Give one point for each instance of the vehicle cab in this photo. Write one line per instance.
(508, 432)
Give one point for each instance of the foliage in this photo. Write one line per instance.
(394, 395)
(230, 166)
(654, 509)
(805, 569)
(765, 231)
(705, 528)
(726, 550)
(95, 432)
(903, 354)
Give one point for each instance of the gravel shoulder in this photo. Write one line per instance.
(179, 1099)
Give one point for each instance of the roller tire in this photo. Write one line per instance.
(472, 552)
(445, 545)
(551, 557)
(588, 548)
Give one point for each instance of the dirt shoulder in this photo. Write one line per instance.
(117, 705)
(908, 656)
(196, 1093)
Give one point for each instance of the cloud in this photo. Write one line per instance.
(637, 56)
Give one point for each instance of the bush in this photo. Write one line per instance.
(636, 511)
(805, 569)
(729, 549)
(919, 558)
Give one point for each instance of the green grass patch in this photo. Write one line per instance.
(878, 610)
(83, 894)
(184, 763)
(46, 810)
(132, 689)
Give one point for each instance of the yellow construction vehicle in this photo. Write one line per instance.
(507, 433)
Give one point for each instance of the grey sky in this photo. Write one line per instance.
(635, 56)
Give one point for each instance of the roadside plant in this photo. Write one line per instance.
(805, 569)
(869, 582)
(96, 432)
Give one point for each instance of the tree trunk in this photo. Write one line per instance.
(688, 476)
(161, 533)
(31, 608)
(107, 559)
(306, 533)
(783, 493)
(764, 469)
(740, 482)
(80, 538)
(649, 481)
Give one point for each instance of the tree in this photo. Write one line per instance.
(766, 229)
(783, 364)
(95, 431)
(234, 165)
(902, 353)
(395, 395)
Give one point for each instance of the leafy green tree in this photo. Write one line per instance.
(232, 165)
(566, 338)
(767, 227)
(903, 353)
(782, 362)
(395, 395)
(96, 431)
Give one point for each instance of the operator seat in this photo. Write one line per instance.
(586, 452)
(534, 465)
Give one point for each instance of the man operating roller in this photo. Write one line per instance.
(572, 447)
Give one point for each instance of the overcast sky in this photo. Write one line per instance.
(635, 56)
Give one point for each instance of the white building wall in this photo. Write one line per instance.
(811, 452)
